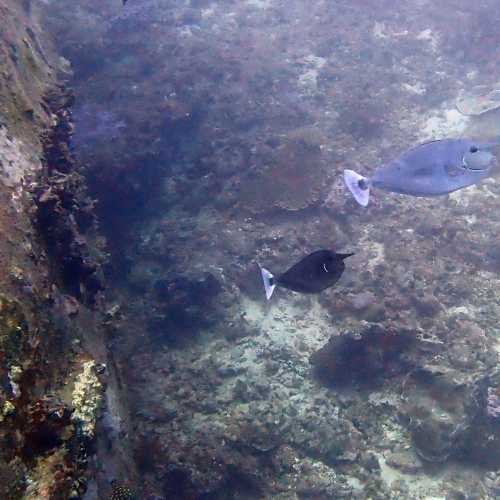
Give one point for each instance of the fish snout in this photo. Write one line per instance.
(478, 160)
(345, 255)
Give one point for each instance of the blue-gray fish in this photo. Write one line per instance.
(312, 274)
(429, 169)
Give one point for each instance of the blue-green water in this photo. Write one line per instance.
(215, 136)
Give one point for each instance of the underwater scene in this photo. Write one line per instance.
(271, 238)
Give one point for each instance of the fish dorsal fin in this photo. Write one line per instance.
(417, 147)
(426, 143)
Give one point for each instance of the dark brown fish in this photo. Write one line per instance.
(313, 274)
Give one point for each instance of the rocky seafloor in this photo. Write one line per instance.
(212, 136)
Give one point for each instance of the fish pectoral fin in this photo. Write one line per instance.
(454, 171)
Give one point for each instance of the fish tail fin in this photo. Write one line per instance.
(358, 185)
(268, 279)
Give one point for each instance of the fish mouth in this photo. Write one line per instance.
(471, 169)
(490, 164)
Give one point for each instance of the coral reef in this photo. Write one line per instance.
(65, 214)
(87, 399)
(121, 492)
(184, 307)
(493, 403)
(365, 358)
(51, 282)
(214, 136)
(292, 180)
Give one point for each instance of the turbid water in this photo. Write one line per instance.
(214, 136)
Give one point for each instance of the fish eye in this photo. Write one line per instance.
(473, 149)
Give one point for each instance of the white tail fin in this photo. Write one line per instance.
(358, 185)
(267, 278)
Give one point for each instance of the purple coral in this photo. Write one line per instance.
(493, 403)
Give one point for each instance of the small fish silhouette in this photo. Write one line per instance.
(312, 274)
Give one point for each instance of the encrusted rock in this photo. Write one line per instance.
(404, 460)
(284, 183)
(87, 398)
(363, 359)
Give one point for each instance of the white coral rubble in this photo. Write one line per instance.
(87, 398)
